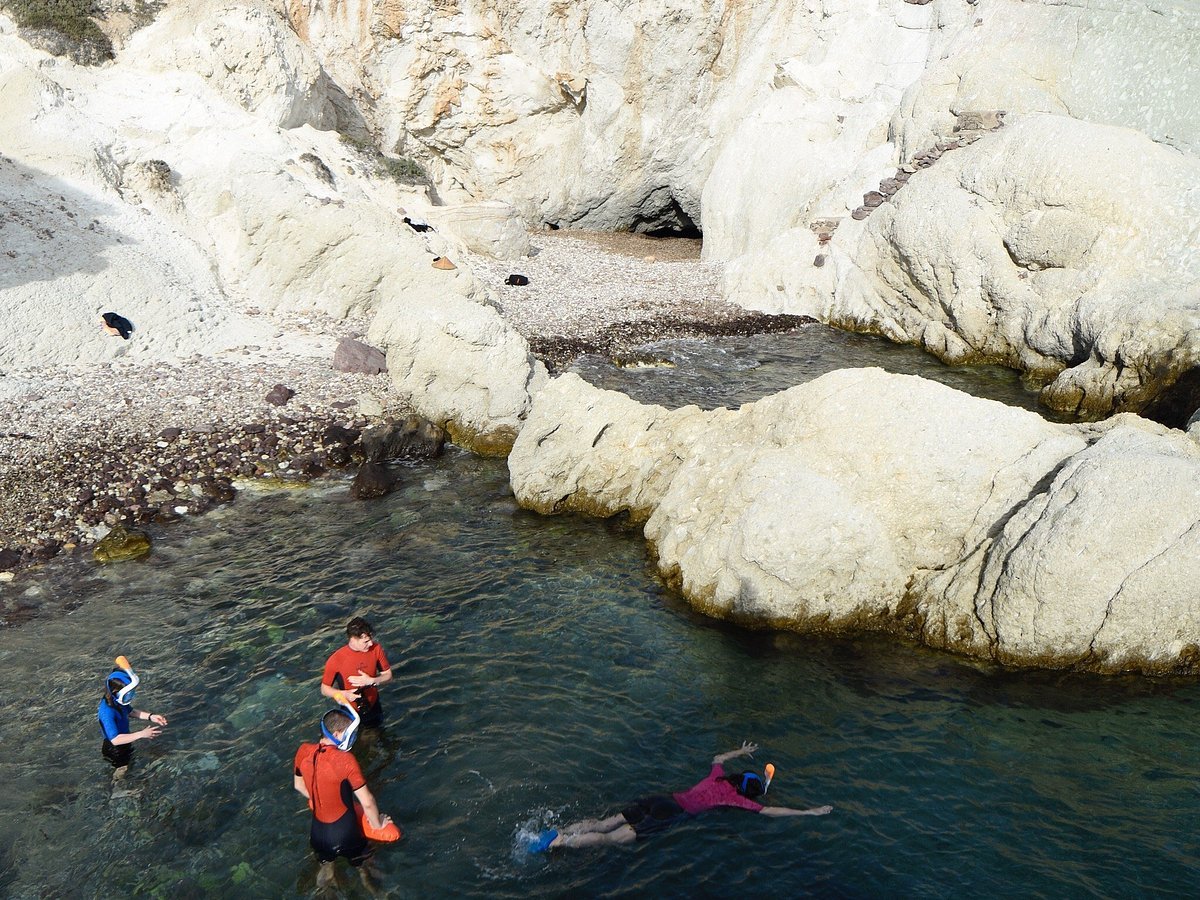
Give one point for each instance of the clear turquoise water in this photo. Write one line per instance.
(543, 675)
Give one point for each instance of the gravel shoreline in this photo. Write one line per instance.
(82, 450)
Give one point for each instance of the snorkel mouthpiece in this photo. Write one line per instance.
(351, 733)
(124, 673)
(769, 771)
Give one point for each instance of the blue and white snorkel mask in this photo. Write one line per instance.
(351, 733)
(124, 675)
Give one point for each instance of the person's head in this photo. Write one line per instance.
(335, 722)
(119, 688)
(749, 784)
(359, 634)
(339, 729)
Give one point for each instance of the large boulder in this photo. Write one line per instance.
(1096, 571)
(868, 501)
(1054, 246)
(492, 228)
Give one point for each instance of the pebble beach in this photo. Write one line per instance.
(84, 449)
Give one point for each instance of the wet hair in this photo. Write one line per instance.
(748, 783)
(359, 626)
(336, 721)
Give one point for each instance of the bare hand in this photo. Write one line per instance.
(748, 748)
(157, 719)
(352, 696)
(362, 679)
(820, 811)
(147, 733)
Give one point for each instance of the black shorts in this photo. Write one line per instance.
(117, 754)
(341, 838)
(651, 815)
(372, 716)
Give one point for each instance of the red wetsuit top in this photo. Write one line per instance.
(712, 792)
(331, 776)
(346, 662)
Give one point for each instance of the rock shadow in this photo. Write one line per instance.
(48, 228)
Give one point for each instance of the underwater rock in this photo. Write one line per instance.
(121, 544)
(372, 480)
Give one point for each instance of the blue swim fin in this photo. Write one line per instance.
(543, 841)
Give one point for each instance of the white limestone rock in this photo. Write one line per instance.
(246, 52)
(491, 228)
(836, 491)
(599, 452)
(1097, 571)
(461, 364)
(144, 190)
(868, 501)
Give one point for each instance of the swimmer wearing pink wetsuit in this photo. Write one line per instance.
(651, 815)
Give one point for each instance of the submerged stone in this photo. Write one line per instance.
(121, 544)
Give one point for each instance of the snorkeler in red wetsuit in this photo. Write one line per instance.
(327, 775)
(356, 669)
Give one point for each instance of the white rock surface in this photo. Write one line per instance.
(755, 121)
(1054, 246)
(863, 500)
(494, 229)
(190, 199)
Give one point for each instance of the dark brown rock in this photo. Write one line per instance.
(414, 438)
(372, 480)
(336, 434)
(279, 395)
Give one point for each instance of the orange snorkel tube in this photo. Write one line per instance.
(769, 771)
(124, 696)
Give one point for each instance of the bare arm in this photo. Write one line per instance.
(146, 733)
(367, 799)
(298, 784)
(779, 812)
(328, 690)
(362, 679)
(747, 749)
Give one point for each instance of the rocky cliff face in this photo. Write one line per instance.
(780, 128)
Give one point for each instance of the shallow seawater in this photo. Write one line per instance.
(544, 674)
(732, 371)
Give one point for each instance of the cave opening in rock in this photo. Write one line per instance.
(664, 220)
(1176, 405)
